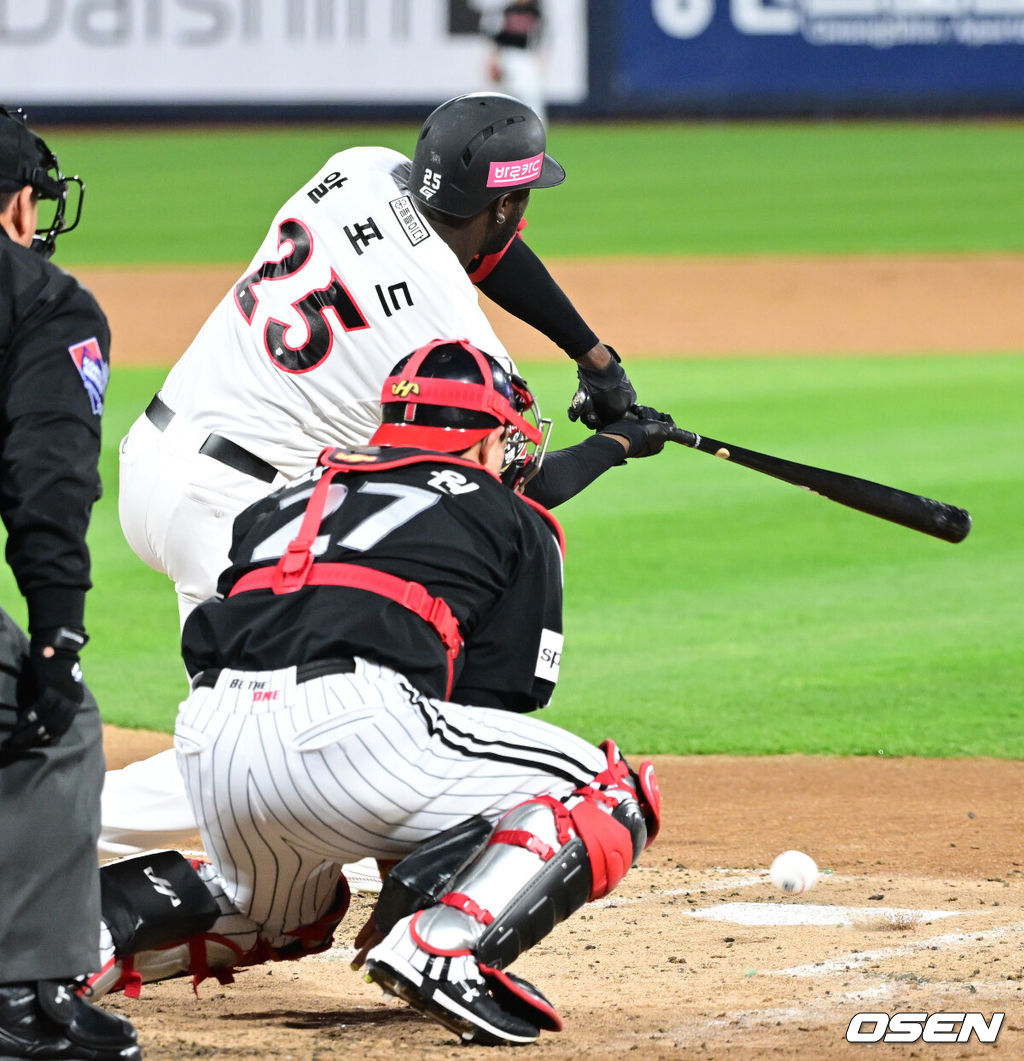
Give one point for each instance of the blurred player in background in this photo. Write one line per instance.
(516, 63)
(54, 350)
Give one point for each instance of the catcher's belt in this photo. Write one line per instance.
(304, 672)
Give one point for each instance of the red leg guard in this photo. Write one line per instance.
(609, 845)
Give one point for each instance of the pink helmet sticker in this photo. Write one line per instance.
(509, 174)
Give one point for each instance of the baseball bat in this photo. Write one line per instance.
(936, 518)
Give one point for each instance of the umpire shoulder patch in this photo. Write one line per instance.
(549, 657)
(95, 372)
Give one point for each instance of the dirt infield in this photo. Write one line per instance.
(671, 307)
(921, 906)
(696, 954)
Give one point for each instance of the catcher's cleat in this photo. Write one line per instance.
(46, 1021)
(481, 1005)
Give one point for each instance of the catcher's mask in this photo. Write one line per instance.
(474, 148)
(26, 160)
(448, 395)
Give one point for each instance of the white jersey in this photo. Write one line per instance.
(349, 279)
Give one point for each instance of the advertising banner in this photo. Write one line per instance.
(129, 52)
(820, 54)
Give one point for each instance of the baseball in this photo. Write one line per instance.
(794, 872)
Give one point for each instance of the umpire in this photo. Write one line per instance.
(54, 348)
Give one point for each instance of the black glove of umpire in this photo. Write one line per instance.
(603, 396)
(646, 429)
(55, 687)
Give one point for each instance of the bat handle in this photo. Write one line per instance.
(684, 437)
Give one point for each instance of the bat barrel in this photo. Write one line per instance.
(923, 514)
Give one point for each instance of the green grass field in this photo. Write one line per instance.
(712, 609)
(182, 196)
(709, 608)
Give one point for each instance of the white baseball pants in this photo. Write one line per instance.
(177, 506)
(291, 779)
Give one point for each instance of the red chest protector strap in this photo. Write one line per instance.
(296, 569)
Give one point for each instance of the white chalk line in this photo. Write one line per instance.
(786, 914)
(848, 962)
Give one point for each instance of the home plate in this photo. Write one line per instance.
(810, 914)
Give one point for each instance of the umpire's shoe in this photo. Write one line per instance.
(46, 1021)
(480, 1004)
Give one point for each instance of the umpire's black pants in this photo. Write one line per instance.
(49, 825)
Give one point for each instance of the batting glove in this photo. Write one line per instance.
(645, 428)
(604, 394)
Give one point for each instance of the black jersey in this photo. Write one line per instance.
(54, 353)
(422, 519)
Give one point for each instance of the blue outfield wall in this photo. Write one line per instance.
(813, 57)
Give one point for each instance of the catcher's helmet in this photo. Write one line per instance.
(475, 148)
(447, 395)
(26, 160)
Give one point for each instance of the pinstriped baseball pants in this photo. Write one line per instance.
(289, 780)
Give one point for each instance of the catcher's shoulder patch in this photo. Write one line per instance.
(341, 457)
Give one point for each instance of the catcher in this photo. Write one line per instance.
(375, 614)
(374, 256)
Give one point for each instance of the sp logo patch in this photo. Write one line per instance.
(403, 388)
(95, 372)
(549, 656)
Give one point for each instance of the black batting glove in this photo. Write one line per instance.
(604, 394)
(646, 429)
(55, 685)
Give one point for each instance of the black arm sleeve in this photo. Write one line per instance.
(566, 472)
(521, 284)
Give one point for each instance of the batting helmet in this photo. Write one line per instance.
(447, 395)
(26, 160)
(476, 147)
